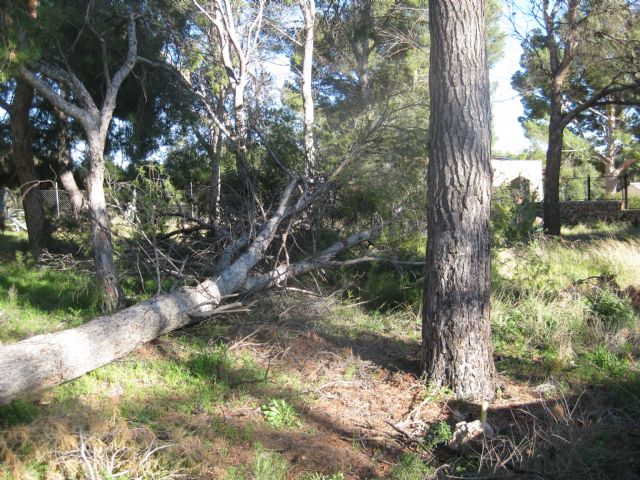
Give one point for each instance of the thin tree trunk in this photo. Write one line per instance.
(456, 329)
(4, 193)
(37, 227)
(65, 173)
(308, 8)
(216, 157)
(112, 297)
(216, 153)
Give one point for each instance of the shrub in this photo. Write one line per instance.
(439, 433)
(612, 310)
(608, 361)
(512, 218)
(390, 288)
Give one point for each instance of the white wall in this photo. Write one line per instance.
(506, 170)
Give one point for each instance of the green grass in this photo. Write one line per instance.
(558, 315)
(34, 300)
(557, 303)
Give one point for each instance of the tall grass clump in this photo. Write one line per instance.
(556, 301)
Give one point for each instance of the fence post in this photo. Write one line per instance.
(588, 187)
(625, 191)
(57, 201)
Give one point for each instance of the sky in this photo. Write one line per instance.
(506, 106)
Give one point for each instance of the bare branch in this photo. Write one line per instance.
(109, 104)
(56, 100)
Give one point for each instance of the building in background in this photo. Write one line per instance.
(527, 173)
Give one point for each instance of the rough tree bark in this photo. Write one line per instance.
(559, 62)
(4, 194)
(456, 329)
(37, 227)
(47, 360)
(95, 122)
(64, 171)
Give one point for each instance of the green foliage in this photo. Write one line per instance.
(613, 311)
(208, 365)
(390, 288)
(279, 413)
(439, 434)
(512, 217)
(320, 476)
(269, 465)
(154, 194)
(410, 467)
(17, 412)
(607, 361)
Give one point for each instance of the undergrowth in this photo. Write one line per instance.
(194, 404)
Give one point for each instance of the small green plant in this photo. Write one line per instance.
(439, 433)
(320, 476)
(208, 365)
(269, 465)
(278, 413)
(608, 361)
(613, 311)
(410, 467)
(236, 473)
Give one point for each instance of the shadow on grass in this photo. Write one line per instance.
(49, 291)
(10, 243)
(594, 435)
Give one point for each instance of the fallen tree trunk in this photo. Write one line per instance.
(47, 360)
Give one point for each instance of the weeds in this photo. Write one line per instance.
(439, 433)
(613, 311)
(269, 465)
(279, 413)
(188, 405)
(410, 467)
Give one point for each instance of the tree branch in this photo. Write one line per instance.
(56, 100)
(109, 104)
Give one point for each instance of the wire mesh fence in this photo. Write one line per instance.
(623, 188)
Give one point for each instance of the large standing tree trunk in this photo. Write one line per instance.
(65, 173)
(551, 205)
(37, 227)
(456, 329)
(112, 297)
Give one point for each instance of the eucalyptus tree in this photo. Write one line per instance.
(308, 9)
(581, 55)
(237, 28)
